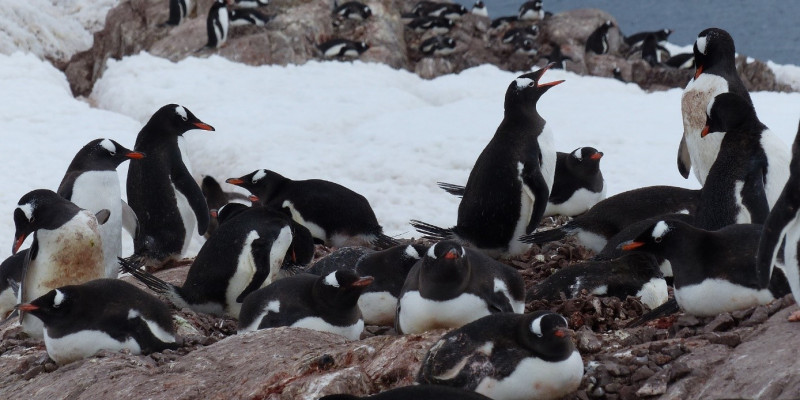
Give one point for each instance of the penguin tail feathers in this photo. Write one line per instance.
(664, 310)
(455, 190)
(132, 265)
(549, 235)
(384, 241)
(432, 232)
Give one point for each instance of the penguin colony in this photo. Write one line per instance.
(720, 246)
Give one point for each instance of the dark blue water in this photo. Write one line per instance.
(763, 29)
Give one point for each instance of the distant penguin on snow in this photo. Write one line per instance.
(217, 24)
(508, 188)
(531, 10)
(350, 10)
(597, 42)
(92, 183)
(66, 249)
(438, 46)
(243, 17)
(479, 8)
(342, 48)
(162, 191)
(714, 55)
(179, 10)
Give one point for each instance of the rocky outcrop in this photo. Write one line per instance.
(298, 26)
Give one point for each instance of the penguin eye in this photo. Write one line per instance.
(113, 153)
(657, 239)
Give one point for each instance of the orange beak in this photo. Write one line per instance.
(597, 156)
(541, 73)
(551, 83)
(253, 198)
(203, 126)
(704, 132)
(234, 181)
(698, 71)
(135, 155)
(451, 255)
(632, 245)
(560, 333)
(363, 282)
(26, 307)
(17, 244)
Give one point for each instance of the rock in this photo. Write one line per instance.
(722, 322)
(587, 341)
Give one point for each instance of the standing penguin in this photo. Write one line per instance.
(246, 253)
(179, 10)
(783, 223)
(714, 55)
(67, 247)
(10, 276)
(597, 42)
(333, 213)
(508, 188)
(104, 314)
(323, 303)
(507, 356)
(479, 9)
(162, 192)
(452, 286)
(734, 190)
(531, 10)
(217, 24)
(92, 183)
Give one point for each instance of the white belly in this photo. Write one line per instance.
(716, 296)
(69, 255)
(351, 332)
(188, 218)
(778, 156)
(694, 104)
(95, 191)
(418, 314)
(84, 344)
(377, 308)
(580, 202)
(548, 149)
(534, 378)
(654, 293)
(792, 267)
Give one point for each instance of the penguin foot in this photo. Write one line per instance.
(794, 317)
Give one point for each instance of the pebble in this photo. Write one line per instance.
(642, 374)
(730, 339)
(759, 316)
(722, 322)
(587, 341)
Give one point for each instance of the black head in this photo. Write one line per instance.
(40, 209)
(712, 47)
(228, 211)
(526, 90)
(664, 34)
(175, 120)
(102, 155)
(445, 263)
(585, 159)
(546, 334)
(652, 239)
(342, 287)
(367, 11)
(58, 305)
(362, 46)
(729, 112)
(262, 183)
(479, 4)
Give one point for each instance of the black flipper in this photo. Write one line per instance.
(774, 232)
(185, 184)
(533, 178)
(261, 251)
(684, 160)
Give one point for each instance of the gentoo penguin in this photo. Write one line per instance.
(179, 10)
(415, 392)
(578, 183)
(509, 185)
(503, 22)
(651, 51)
(635, 274)
(436, 9)
(333, 213)
(715, 271)
(479, 8)
(342, 48)
(323, 303)
(526, 47)
(597, 42)
(608, 217)
(507, 356)
(734, 189)
(67, 247)
(92, 183)
(350, 10)
(452, 286)
(10, 277)
(438, 46)
(436, 25)
(244, 254)
(162, 192)
(637, 39)
(714, 55)
(217, 24)
(389, 267)
(516, 34)
(216, 198)
(250, 3)
(783, 224)
(531, 10)
(681, 61)
(556, 57)
(248, 17)
(103, 314)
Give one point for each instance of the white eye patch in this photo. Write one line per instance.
(108, 145)
(59, 298)
(660, 230)
(701, 44)
(27, 209)
(536, 326)
(182, 112)
(523, 82)
(258, 175)
(578, 154)
(330, 280)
